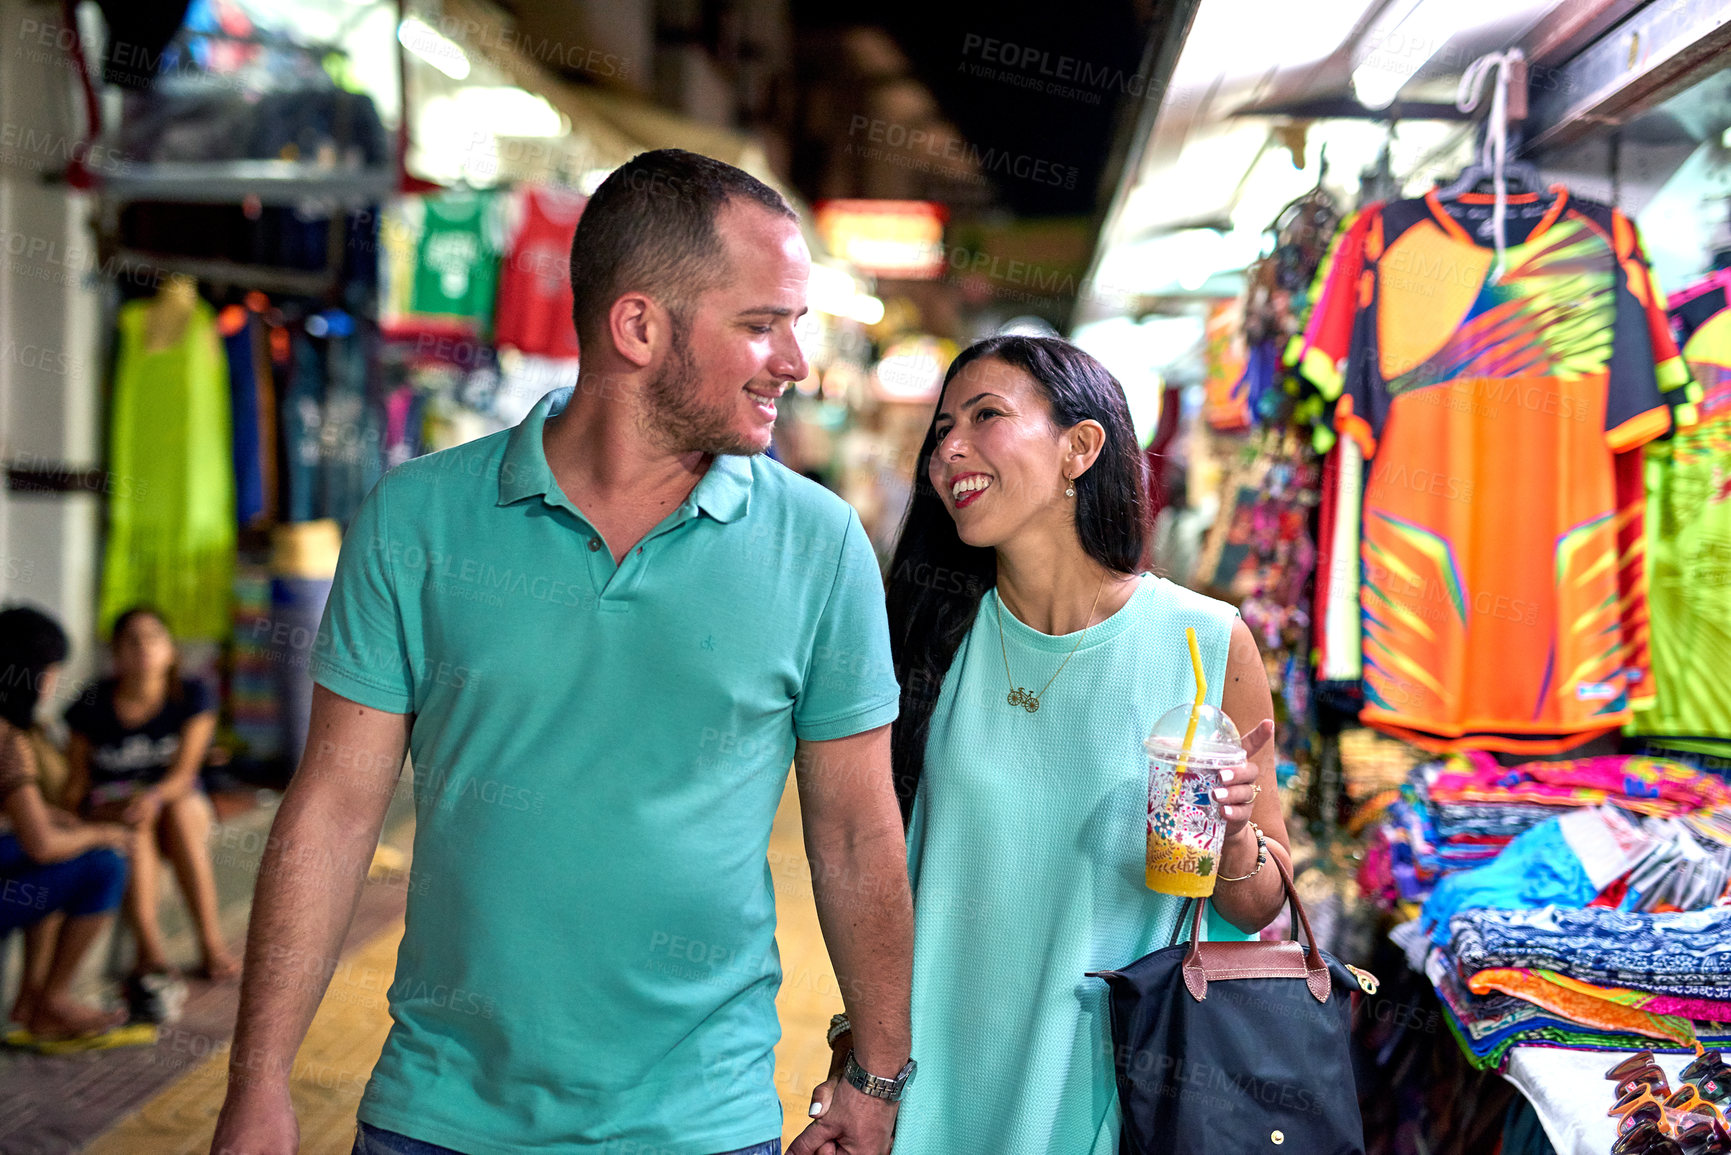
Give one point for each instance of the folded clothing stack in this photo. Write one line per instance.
(1459, 812)
(1657, 786)
(1582, 904)
(1593, 978)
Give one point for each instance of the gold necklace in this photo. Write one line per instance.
(1018, 695)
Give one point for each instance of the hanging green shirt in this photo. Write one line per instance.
(457, 261)
(1689, 545)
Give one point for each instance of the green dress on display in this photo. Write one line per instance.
(171, 524)
(1026, 851)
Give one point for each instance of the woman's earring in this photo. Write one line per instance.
(1070, 489)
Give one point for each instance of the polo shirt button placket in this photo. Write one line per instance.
(594, 544)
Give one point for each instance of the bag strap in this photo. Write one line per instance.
(1178, 923)
(1315, 970)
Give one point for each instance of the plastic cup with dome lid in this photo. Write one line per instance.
(1187, 749)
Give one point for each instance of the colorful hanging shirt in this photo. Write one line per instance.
(1502, 579)
(1316, 357)
(456, 263)
(1689, 539)
(535, 284)
(236, 326)
(1656, 786)
(1227, 404)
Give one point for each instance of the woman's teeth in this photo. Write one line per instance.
(968, 485)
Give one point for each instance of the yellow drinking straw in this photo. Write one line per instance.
(1201, 693)
(1165, 872)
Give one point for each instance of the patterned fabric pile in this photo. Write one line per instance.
(1580, 903)
(1459, 812)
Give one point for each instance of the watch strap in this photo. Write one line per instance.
(866, 1083)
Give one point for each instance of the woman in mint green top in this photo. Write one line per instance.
(1019, 576)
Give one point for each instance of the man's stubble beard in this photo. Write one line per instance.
(674, 416)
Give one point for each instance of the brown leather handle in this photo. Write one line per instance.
(1254, 959)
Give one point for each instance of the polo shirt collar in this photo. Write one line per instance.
(724, 492)
(524, 471)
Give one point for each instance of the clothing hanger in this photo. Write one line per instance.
(170, 312)
(1378, 183)
(1519, 177)
(1508, 102)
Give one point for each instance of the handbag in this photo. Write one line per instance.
(1236, 1048)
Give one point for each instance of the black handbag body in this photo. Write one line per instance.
(1236, 1048)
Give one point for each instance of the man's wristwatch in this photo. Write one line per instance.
(890, 1090)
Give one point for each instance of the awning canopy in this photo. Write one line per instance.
(1260, 88)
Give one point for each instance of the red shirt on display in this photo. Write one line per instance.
(534, 311)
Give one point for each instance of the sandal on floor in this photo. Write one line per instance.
(130, 1035)
(155, 997)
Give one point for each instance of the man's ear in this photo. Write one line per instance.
(638, 327)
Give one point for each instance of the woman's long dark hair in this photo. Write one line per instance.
(936, 581)
(30, 642)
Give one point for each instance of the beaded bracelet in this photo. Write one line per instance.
(1261, 856)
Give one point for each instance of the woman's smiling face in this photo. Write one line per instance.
(999, 462)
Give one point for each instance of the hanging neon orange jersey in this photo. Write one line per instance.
(1502, 581)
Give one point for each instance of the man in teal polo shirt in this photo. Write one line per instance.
(602, 637)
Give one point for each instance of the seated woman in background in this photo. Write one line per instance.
(138, 741)
(60, 879)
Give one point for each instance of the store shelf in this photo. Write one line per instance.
(1346, 108)
(1656, 52)
(299, 282)
(272, 182)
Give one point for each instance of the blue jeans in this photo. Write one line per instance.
(370, 1140)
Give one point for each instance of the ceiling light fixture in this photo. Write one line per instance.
(1405, 37)
(434, 47)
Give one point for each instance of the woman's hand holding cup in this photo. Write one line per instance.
(1237, 794)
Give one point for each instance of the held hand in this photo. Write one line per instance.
(1239, 792)
(850, 1123)
(824, 1092)
(143, 808)
(115, 836)
(256, 1122)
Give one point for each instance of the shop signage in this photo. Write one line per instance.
(901, 240)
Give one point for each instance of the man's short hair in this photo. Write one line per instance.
(650, 228)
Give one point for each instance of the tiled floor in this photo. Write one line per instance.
(351, 1023)
(52, 1106)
